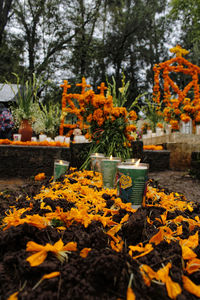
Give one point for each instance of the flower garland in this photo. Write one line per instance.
(30, 143)
(153, 147)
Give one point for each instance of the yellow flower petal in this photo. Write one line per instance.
(32, 247)
(157, 238)
(147, 273)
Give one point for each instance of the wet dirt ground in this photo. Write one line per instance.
(174, 181)
(180, 182)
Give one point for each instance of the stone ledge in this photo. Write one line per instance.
(26, 161)
(157, 160)
(172, 138)
(195, 164)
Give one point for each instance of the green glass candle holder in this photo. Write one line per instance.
(60, 168)
(109, 171)
(132, 180)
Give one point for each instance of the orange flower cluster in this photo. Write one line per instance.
(180, 108)
(40, 176)
(159, 125)
(93, 110)
(44, 143)
(152, 147)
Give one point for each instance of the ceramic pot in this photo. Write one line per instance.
(25, 130)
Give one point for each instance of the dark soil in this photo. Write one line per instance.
(104, 273)
(179, 182)
(174, 181)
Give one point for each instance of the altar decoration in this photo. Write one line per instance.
(110, 129)
(177, 105)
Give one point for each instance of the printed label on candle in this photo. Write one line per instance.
(96, 159)
(109, 170)
(131, 183)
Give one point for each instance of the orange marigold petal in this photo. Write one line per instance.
(190, 286)
(84, 252)
(187, 253)
(71, 246)
(173, 288)
(130, 294)
(193, 265)
(13, 296)
(157, 238)
(148, 274)
(32, 246)
(59, 245)
(51, 275)
(37, 258)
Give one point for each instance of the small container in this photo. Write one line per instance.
(60, 138)
(17, 137)
(109, 171)
(33, 139)
(132, 180)
(60, 168)
(42, 137)
(96, 159)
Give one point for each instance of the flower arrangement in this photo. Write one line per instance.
(109, 128)
(145, 126)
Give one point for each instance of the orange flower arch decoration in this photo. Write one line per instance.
(177, 64)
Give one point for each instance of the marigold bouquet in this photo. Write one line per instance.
(110, 129)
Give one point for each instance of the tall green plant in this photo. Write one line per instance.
(48, 119)
(23, 107)
(120, 97)
(151, 112)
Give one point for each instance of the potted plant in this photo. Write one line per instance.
(24, 107)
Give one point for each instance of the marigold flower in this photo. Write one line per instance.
(132, 115)
(41, 251)
(40, 176)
